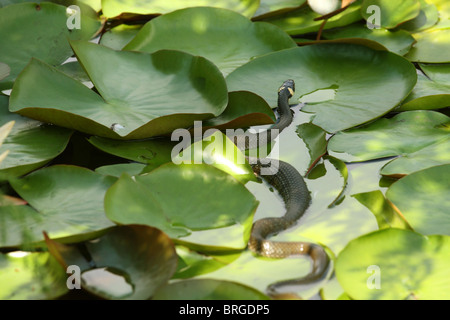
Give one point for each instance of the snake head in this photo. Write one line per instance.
(288, 85)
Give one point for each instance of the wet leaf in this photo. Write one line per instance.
(392, 13)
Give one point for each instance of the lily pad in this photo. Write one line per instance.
(172, 198)
(38, 30)
(403, 134)
(397, 41)
(392, 13)
(4, 70)
(407, 264)
(387, 216)
(269, 8)
(128, 262)
(428, 17)
(65, 201)
(116, 170)
(153, 152)
(166, 90)
(433, 155)
(112, 8)
(208, 289)
(422, 198)
(119, 36)
(433, 46)
(428, 94)
(244, 109)
(31, 143)
(213, 33)
(342, 68)
(301, 21)
(31, 276)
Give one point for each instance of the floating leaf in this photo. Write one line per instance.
(38, 30)
(405, 133)
(31, 144)
(116, 170)
(164, 91)
(341, 68)
(398, 41)
(422, 198)
(31, 276)
(433, 46)
(392, 13)
(407, 264)
(428, 17)
(209, 289)
(213, 33)
(269, 8)
(119, 36)
(301, 21)
(172, 198)
(433, 155)
(112, 8)
(387, 216)
(66, 202)
(128, 262)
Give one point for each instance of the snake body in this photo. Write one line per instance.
(295, 194)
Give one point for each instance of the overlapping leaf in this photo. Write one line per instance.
(164, 91)
(344, 69)
(215, 34)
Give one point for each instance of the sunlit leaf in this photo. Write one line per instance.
(422, 198)
(395, 264)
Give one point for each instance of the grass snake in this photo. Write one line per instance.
(295, 194)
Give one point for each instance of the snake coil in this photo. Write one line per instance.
(295, 194)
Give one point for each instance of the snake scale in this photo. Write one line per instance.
(295, 194)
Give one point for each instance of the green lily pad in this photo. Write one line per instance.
(443, 7)
(244, 109)
(397, 41)
(403, 134)
(269, 8)
(392, 13)
(387, 216)
(31, 276)
(422, 198)
(315, 139)
(40, 31)
(119, 36)
(74, 70)
(4, 70)
(172, 198)
(153, 152)
(428, 17)
(301, 21)
(112, 8)
(433, 155)
(387, 79)
(433, 46)
(128, 262)
(427, 94)
(218, 150)
(409, 266)
(66, 202)
(31, 144)
(207, 32)
(116, 170)
(142, 106)
(208, 289)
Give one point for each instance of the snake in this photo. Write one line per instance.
(294, 192)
